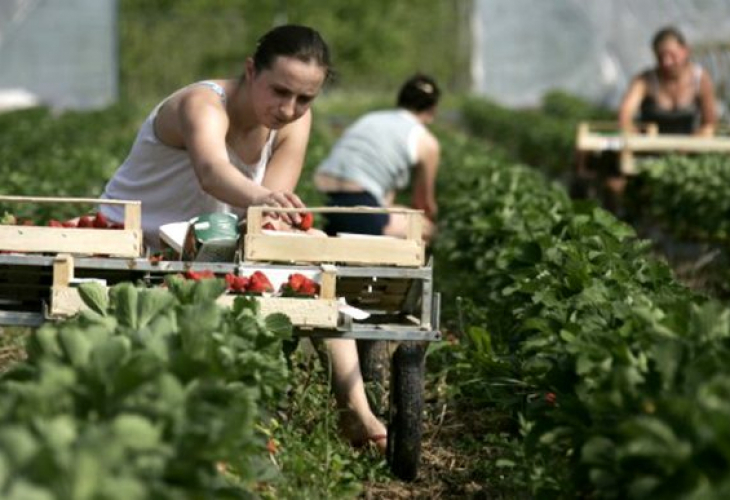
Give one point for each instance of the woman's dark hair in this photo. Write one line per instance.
(668, 33)
(291, 40)
(419, 93)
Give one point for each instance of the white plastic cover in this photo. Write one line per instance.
(523, 48)
(63, 52)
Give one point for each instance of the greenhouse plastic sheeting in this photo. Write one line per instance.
(523, 48)
(63, 52)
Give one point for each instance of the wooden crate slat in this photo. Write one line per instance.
(37, 239)
(355, 249)
(321, 313)
(126, 242)
(374, 250)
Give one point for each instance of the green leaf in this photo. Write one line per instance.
(23, 490)
(279, 324)
(208, 290)
(124, 300)
(44, 343)
(136, 432)
(106, 357)
(141, 367)
(245, 305)
(197, 323)
(599, 450)
(151, 303)
(84, 475)
(95, 296)
(18, 444)
(76, 346)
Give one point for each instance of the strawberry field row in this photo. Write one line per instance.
(614, 375)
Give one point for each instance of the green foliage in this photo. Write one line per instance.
(307, 433)
(393, 40)
(140, 397)
(68, 155)
(565, 106)
(612, 371)
(689, 195)
(543, 138)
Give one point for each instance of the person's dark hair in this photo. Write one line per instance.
(291, 40)
(668, 33)
(419, 93)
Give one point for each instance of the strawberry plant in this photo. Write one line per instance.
(168, 380)
(608, 366)
(687, 195)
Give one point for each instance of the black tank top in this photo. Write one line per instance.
(680, 120)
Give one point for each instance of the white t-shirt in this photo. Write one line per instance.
(163, 179)
(377, 151)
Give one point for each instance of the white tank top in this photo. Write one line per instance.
(163, 179)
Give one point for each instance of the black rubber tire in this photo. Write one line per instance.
(375, 368)
(405, 422)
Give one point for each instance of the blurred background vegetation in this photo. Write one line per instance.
(164, 44)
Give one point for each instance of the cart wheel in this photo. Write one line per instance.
(406, 410)
(375, 368)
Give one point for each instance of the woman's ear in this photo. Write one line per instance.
(250, 69)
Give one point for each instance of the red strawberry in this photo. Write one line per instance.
(117, 225)
(240, 284)
(100, 221)
(155, 258)
(230, 281)
(259, 283)
(206, 274)
(550, 398)
(192, 275)
(55, 223)
(68, 223)
(296, 281)
(306, 222)
(271, 446)
(269, 226)
(86, 221)
(309, 287)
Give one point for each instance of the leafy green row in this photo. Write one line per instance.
(72, 154)
(690, 195)
(543, 138)
(685, 193)
(614, 373)
(141, 396)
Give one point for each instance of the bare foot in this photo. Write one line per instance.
(363, 432)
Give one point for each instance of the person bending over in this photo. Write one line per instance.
(375, 157)
(225, 145)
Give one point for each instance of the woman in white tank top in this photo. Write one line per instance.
(229, 144)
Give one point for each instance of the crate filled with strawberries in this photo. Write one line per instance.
(265, 242)
(88, 234)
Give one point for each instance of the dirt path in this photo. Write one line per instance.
(451, 462)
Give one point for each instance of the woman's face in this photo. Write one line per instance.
(671, 56)
(284, 92)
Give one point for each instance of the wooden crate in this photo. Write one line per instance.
(260, 246)
(606, 136)
(321, 312)
(126, 242)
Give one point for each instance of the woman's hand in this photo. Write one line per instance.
(281, 199)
